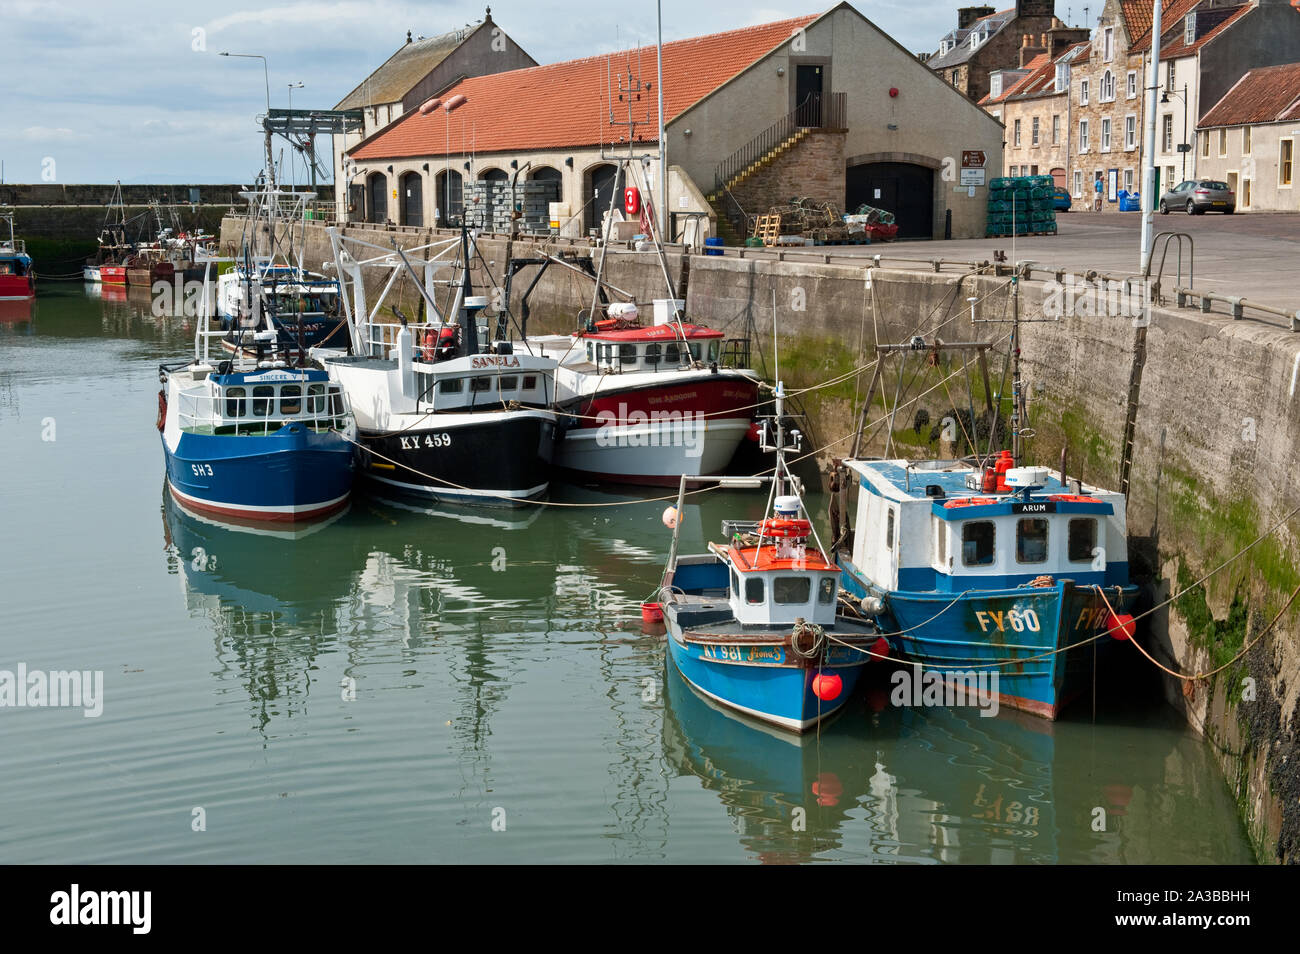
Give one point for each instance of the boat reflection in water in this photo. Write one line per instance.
(945, 785)
(17, 311)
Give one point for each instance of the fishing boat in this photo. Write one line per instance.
(17, 271)
(642, 402)
(981, 566)
(114, 248)
(439, 414)
(254, 441)
(756, 624)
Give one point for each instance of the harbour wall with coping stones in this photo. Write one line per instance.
(1216, 452)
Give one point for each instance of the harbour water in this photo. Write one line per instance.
(425, 684)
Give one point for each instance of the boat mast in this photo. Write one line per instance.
(1015, 368)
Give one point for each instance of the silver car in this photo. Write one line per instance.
(1199, 195)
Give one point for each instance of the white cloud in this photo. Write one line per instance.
(51, 134)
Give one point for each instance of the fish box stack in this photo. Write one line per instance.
(488, 205)
(1023, 204)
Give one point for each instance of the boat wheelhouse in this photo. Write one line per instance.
(1006, 569)
(17, 271)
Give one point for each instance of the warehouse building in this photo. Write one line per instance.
(824, 106)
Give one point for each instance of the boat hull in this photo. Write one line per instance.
(293, 474)
(112, 274)
(90, 273)
(763, 680)
(967, 632)
(17, 287)
(652, 435)
(493, 459)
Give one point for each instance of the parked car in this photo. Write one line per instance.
(1061, 200)
(1199, 195)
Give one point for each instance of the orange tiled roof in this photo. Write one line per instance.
(1267, 95)
(1172, 16)
(566, 104)
(1033, 66)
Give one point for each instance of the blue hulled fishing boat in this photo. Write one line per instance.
(755, 624)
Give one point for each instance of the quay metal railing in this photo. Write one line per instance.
(323, 406)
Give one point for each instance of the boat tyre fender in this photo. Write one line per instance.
(162, 410)
(807, 639)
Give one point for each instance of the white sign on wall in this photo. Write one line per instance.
(972, 177)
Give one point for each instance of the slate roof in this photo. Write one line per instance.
(401, 71)
(962, 52)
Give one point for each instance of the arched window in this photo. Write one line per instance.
(602, 182)
(552, 176)
(450, 199)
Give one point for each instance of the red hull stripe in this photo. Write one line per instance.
(259, 516)
(714, 397)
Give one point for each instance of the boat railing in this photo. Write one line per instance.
(322, 405)
(17, 246)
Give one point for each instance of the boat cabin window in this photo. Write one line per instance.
(754, 590)
(480, 384)
(1083, 540)
(977, 543)
(826, 592)
(290, 399)
(235, 402)
(315, 399)
(530, 382)
(451, 385)
(941, 541)
(263, 400)
(889, 528)
(792, 589)
(651, 355)
(671, 354)
(627, 354)
(509, 383)
(1031, 540)
(735, 582)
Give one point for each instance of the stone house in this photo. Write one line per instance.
(1035, 108)
(1248, 139)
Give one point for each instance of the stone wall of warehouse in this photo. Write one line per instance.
(1216, 453)
(813, 168)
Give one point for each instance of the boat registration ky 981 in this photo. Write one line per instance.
(743, 654)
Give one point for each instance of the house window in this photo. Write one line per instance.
(954, 77)
(1105, 135)
(1132, 84)
(1108, 44)
(1033, 133)
(1062, 77)
(1285, 155)
(1107, 91)
(1245, 140)
(1170, 181)
(1083, 92)
(1245, 193)
(1056, 130)
(1082, 540)
(1128, 180)
(1016, 135)
(1033, 170)
(1083, 135)
(1078, 183)
(1170, 72)
(1205, 145)
(1223, 141)
(1189, 29)
(995, 85)
(1167, 133)
(1130, 132)
(977, 543)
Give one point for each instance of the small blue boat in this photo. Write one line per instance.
(255, 443)
(755, 624)
(965, 578)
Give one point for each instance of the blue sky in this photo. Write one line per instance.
(137, 92)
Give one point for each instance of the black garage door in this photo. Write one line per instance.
(905, 189)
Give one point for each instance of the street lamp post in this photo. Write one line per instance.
(266, 76)
(1164, 99)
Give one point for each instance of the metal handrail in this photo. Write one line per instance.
(326, 409)
(817, 111)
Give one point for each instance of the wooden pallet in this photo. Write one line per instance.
(768, 228)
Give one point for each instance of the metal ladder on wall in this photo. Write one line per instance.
(1140, 342)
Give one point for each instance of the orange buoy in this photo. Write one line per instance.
(1121, 625)
(827, 686)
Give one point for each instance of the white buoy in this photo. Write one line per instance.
(670, 518)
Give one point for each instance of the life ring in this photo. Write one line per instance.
(969, 502)
(430, 345)
(162, 409)
(785, 529)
